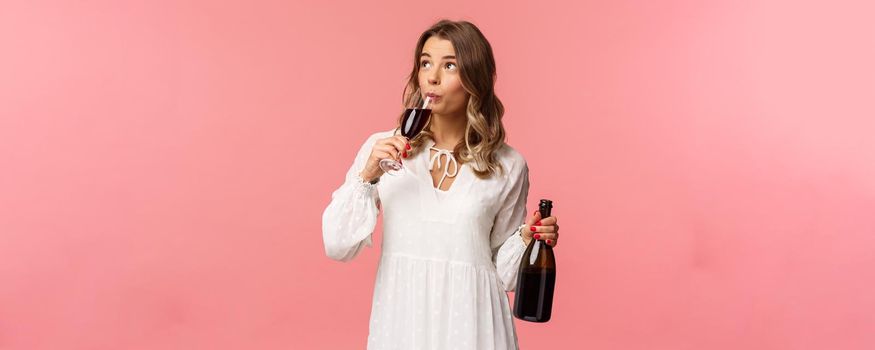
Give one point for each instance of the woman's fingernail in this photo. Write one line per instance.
(532, 228)
(538, 223)
(549, 241)
(408, 146)
(404, 154)
(536, 236)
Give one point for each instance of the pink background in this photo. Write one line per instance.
(165, 166)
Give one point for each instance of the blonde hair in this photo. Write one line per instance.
(484, 132)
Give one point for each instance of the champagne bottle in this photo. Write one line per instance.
(533, 300)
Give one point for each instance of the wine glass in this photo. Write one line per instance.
(413, 122)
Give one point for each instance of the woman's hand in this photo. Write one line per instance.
(544, 229)
(392, 147)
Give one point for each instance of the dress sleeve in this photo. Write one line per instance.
(351, 216)
(507, 246)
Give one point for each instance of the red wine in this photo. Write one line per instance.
(414, 120)
(536, 278)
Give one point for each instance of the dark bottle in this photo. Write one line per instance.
(533, 300)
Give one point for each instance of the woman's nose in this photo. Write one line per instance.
(433, 78)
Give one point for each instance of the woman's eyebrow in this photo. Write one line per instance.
(426, 54)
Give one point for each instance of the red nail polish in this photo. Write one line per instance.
(549, 241)
(538, 223)
(532, 228)
(404, 154)
(536, 236)
(408, 146)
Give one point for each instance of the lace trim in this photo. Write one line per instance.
(363, 187)
(519, 231)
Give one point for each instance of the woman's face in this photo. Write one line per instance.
(439, 77)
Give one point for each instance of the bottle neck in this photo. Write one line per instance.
(545, 212)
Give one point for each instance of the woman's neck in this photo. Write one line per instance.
(448, 130)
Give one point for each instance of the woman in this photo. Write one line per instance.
(450, 250)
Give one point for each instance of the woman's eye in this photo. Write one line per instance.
(424, 64)
(451, 65)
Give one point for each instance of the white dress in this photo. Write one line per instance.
(447, 258)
